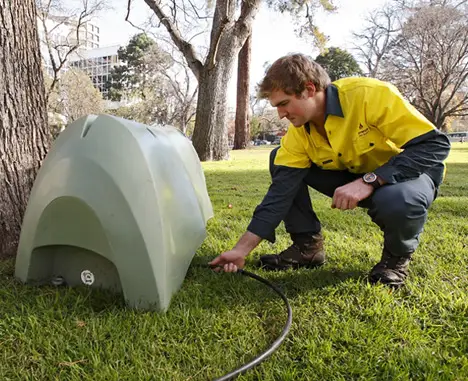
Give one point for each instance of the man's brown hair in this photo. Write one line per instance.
(291, 73)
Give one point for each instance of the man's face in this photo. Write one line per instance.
(298, 109)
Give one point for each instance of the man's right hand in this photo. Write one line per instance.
(229, 261)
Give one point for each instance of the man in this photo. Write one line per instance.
(356, 140)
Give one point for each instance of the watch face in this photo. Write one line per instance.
(370, 177)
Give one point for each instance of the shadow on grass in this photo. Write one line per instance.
(202, 290)
(292, 282)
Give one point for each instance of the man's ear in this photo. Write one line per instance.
(310, 89)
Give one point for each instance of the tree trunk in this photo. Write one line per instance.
(210, 133)
(228, 35)
(24, 136)
(242, 124)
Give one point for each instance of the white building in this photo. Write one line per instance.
(61, 34)
(98, 63)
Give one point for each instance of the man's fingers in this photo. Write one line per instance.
(353, 204)
(334, 199)
(345, 204)
(338, 200)
(230, 268)
(341, 203)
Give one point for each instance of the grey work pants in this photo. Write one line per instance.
(400, 210)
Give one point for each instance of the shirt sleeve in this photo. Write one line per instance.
(424, 148)
(290, 167)
(277, 202)
(291, 152)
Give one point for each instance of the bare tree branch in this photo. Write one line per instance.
(60, 51)
(376, 40)
(432, 52)
(127, 18)
(185, 47)
(196, 11)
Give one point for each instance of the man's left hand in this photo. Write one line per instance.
(348, 196)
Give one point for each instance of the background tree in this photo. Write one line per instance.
(181, 95)
(55, 15)
(139, 73)
(265, 120)
(77, 96)
(242, 122)
(159, 87)
(230, 24)
(300, 10)
(374, 41)
(303, 12)
(230, 27)
(429, 60)
(153, 110)
(426, 55)
(24, 136)
(338, 63)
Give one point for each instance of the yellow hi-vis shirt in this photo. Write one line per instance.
(371, 126)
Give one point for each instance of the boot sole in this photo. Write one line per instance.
(394, 285)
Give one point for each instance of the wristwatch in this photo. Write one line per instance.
(371, 179)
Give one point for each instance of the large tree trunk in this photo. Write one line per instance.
(24, 136)
(227, 38)
(210, 132)
(242, 124)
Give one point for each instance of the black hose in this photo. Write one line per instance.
(257, 360)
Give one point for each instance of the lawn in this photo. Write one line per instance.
(343, 328)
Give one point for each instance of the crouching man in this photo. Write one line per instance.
(356, 140)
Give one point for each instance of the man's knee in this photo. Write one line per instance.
(393, 205)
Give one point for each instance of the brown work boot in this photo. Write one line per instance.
(392, 270)
(309, 253)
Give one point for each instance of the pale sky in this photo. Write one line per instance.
(273, 33)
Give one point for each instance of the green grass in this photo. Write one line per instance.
(343, 328)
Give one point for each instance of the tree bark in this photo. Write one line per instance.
(227, 37)
(210, 138)
(24, 136)
(242, 123)
(210, 132)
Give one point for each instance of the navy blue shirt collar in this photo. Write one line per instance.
(333, 105)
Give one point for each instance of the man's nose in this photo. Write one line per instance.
(282, 113)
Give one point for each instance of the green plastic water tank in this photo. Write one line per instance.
(117, 205)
